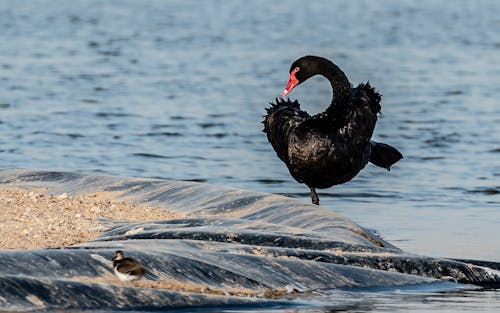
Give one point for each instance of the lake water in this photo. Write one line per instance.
(177, 89)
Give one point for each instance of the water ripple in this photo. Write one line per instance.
(486, 191)
(166, 134)
(152, 155)
(114, 114)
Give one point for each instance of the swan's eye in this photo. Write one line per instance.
(295, 70)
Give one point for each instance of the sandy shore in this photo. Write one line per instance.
(31, 219)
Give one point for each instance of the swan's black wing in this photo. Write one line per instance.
(366, 105)
(363, 114)
(365, 95)
(281, 120)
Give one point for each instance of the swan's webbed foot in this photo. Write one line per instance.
(314, 196)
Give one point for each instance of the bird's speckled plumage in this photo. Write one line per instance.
(331, 147)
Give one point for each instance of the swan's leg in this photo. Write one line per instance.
(314, 196)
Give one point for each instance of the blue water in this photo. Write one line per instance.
(177, 89)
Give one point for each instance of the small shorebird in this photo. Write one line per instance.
(127, 269)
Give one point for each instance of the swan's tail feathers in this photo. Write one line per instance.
(384, 155)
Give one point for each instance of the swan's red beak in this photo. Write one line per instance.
(292, 82)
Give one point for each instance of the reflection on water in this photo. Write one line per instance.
(177, 90)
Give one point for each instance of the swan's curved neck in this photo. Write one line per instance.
(341, 99)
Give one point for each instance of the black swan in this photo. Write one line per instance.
(331, 147)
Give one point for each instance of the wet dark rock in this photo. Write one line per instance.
(231, 240)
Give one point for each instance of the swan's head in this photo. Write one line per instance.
(301, 70)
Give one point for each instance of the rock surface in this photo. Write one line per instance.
(222, 247)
